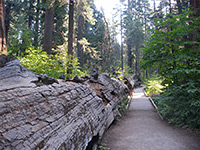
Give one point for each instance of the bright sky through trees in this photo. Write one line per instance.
(107, 6)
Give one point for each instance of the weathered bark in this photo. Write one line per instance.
(63, 115)
(48, 30)
(137, 80)
(3, 45)
(71, 28)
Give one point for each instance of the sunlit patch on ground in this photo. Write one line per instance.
(138, 95)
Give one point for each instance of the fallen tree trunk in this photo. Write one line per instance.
(37, 112)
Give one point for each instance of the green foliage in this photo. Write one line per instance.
(40, 62)
(19, 43)
(181, 104)
(103, 146)
(127, 72)
(124, 105)
(177, 58)
(70, 63)
(118, 74)
(153, 86)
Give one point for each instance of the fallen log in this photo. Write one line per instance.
(38, 112)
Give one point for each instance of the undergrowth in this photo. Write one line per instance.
(40, 62)
(123, 105)
(153, 86)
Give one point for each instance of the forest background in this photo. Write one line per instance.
(58, 37)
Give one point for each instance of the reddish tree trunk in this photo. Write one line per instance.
(8, 6)
(3, 45)
(80, 33)
(48, 27)
(71, 28)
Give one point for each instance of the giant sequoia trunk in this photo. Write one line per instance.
(3, 45)
(38, 112)
(48, 30)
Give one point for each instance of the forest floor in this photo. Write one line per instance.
(141, 128)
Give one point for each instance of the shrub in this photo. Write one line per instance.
(124, 105)
(40, 62)
(153, 86)
(177, 58)
(181, 105)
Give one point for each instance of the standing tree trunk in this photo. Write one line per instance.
(122, 51)
(108, 43)
(30, 14)
(3, 45)
(71, 36)
(130, 57)
(179, 4)
(36, 26)
(137, 53)
(8, 6)
(48, 30)
(80, 32)
(71, 28)
(129, 45)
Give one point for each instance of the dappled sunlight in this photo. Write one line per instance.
(137, 95)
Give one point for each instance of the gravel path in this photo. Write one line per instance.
(142, 129)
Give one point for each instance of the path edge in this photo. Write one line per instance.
(154, 105)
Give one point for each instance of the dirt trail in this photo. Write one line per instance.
(142, 129)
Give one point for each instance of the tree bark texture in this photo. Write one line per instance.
(48, 30)
(122, 51)
(3, 45)
(8, 16)
(56, 116)
(71, 28)
(80, 32)
(130, 56)
(137, 53)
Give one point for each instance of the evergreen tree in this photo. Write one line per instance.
(48, 27)
(71, 28)
(3, 45)
(81, 21)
